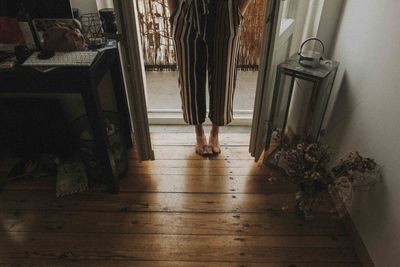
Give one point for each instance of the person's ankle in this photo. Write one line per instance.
(199, 130)
(214, 131)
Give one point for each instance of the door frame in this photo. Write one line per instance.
(134, 75)
(265, 79)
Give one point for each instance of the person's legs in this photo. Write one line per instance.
(224, 23)
(213, 143)
(202, 147)
(191, 55)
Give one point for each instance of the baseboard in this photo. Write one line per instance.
(174, 117)
(359, 246)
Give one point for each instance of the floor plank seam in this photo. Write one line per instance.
(188, 235)
(160, 211)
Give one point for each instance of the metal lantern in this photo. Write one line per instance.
(316, 82)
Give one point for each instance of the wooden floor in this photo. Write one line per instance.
(180, 210)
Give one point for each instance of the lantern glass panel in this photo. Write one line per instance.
(282, 101)
(301, 108)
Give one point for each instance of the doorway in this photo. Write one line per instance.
(281, 37)
(164, 104)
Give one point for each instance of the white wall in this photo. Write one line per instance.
(85, 6)
(104, 4)
(327, 25)
(367, 116)
(91, 6)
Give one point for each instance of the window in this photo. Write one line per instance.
(287, 14)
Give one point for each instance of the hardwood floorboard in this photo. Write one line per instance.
(187, 139)
(92, 242)
(181, 184)
(213, 164)
(201, 171)
(151, 202)
(208, 184)
(177, 248)
(266, 224)
(187, 153)
(122, 263)
(180, 210)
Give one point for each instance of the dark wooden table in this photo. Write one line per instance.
(85, 81)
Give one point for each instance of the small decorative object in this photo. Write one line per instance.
(76, 13)
(93, 30)
(10, 33)
(107, 16)
(88, 149)
(63, 38)
(60, 34)
(306, 165)
(22, 52)
(363, 173)
(34, 167)
(311, 58)
(71, 178)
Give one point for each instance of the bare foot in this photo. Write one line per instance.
(201, 146)
(201, 142)
(214, 140)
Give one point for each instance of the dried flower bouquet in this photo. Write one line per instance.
(306, 165)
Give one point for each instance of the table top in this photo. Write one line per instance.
(60, 80)
(293, 65)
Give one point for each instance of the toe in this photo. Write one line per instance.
(203, 151)
(199, 150)
(216, 150)
(208, 150)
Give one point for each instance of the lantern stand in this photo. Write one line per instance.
(322, 77)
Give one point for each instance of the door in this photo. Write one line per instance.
(278, 35)
(134, 74)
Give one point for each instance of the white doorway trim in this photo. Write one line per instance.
(133, 70)
(266, 77)
(174, 117)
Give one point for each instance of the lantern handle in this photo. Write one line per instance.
(313, 39)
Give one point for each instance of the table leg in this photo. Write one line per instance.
(97, 122)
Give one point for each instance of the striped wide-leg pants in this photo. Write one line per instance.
(206, 36)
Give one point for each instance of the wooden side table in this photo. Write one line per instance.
(85, 81)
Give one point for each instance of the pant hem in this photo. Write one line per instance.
(221, 124)
(192, 123)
